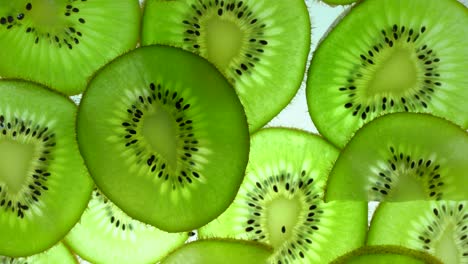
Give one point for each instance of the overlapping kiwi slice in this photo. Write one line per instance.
(280, 201)
(260, 46)
(44, 184)
(439, 228)
(165, 137)
(55, 255)
(220, 251)
(389, 56)
(402, 157)
(105, 234)
(61, 43)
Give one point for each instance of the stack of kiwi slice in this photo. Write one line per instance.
(165, 155)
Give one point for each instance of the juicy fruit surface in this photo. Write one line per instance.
(281, 203)
(164, 141)
(56, 254)
(439, 228)
(402, 157)
(43, 179)
(105, 234)
(219, 251)
(78, 37)
(402, 62)
(248, 40)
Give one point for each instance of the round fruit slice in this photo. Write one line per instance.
(62, 43)
(105, 234)
(401, 157)
(281, 203)
(260, 46)
(386, 255)
(57, 254)
(220, 251)
(165, 137)
(439, 228)
(389, 56)
(44, 184)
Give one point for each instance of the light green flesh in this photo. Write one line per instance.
(57, 254)
(386, 255)
(247, 44)
(394, 158)
(339, 2)
(190, 128)
(416, 225)
(219, 251)
(15, 161)
(402, 61)
(293, 215)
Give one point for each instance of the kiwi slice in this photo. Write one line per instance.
(220, 251)
(61, 43)
(260, 46)
(281, 203)
(386, 255)
(402, 157)
(43, 179)
(389, 56)
(165, 137)
(57, 254)
(105, 234)
(436, 227)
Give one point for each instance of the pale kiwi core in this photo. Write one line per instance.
(446, 246)
(46, 13)
(408, 188)
(15, 161)
(282, 216)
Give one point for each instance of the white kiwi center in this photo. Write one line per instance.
(15, 161)
(282, 216)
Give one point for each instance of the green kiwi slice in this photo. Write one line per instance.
(281, 203)
(61, 43)
(44, 184)
(165, 137)
(386, 255)
(388, 56)
(57, 254)
(402, 157)
(439, 228)
(219, 251)
(105, 234)
(260, 46)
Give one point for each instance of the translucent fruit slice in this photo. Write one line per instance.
(165, 137)
(57, 254)
(281, 202)
(439, 228)
(62, 43)
(105, 234)
(260, 46)
(388, 56)
(386, 255)
(402, 157)
(220, 251)
(43, 179)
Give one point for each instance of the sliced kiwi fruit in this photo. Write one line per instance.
(260, 46)
(218, 251)
(388, 56)
(165, 137)
(44, 184)
(105, 234)
(402, 157)
(61, 43)
(56, 254)
(280, 201)
(386, 255)
(439, 228)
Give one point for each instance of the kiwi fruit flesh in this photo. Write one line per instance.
(260, 46)
(105, 234)
(43, 178)
(61, 43)
(402, 157)
(386, 255)
(165, 137)
(219, 251)
(56, 254)
(439, 228)
(280, 201)
(338, 2)
(387, 56)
